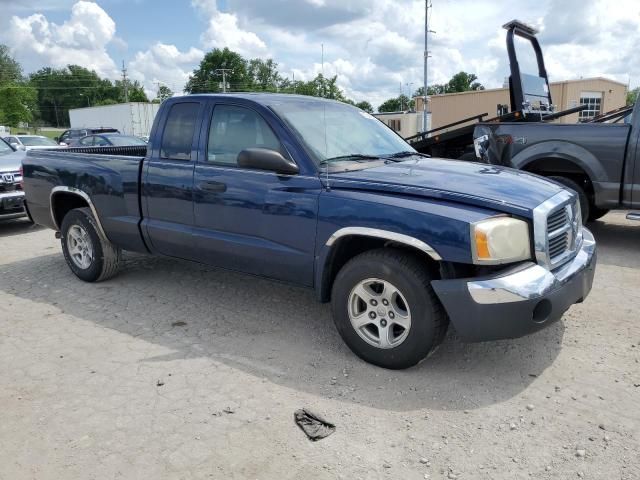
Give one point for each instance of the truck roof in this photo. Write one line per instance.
(263, 98)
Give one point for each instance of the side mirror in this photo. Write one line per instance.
(265, 159)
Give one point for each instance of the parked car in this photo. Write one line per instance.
(599, 161)
(108, 140)
(11, 193)
(69, 136)
(31, 142)
(321, 194)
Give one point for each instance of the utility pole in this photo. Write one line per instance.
(409, 84)
(223, 72)
(322, 57)
(125, 83)
(401, 99)
(427, 6)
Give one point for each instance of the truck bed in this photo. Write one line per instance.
(599, 149)
(110, 176)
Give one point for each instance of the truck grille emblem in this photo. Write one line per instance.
(8, 178)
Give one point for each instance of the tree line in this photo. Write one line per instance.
(460, 82)
(45, 97)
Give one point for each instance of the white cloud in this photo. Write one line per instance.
(224, 31)
(82, 39)
(165, 64)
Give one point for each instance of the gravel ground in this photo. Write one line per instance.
(175, 370)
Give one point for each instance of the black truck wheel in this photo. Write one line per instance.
(585, 205)
(90, 256)
(596, 213)
(385, 309)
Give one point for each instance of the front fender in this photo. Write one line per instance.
(438, 228)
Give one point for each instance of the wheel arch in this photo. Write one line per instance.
(64, 199)
(562, 159)
(348, 242)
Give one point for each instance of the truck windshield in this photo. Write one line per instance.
(37, 141)
(4, 148)
(341, 132)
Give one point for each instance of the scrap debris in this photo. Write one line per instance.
(313, 425)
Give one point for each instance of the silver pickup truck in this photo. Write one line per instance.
(11, 193)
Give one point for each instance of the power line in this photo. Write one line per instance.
(223, 71)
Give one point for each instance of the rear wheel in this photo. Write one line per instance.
(585, 205)
(385, 309)
(90, 256)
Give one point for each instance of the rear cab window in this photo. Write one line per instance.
(177, 137)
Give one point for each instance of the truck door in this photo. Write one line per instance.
(167, 192)
(248, 220)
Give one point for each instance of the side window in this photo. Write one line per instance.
(86, 141)
(100, 142)
(177, 138)
(235, 128)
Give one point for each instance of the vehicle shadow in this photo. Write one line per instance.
(277, 332)
(618, 240)
(18, 226)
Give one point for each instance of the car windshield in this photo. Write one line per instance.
(125, 140)
(340, 132)
(36, 141)
(4, 148)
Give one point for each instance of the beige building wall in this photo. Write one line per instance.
(410, 122)
(453, 107)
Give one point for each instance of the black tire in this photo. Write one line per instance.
(408, 274)
(106, 256)
(585, 204)
(596, 213)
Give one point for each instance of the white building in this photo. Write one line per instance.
(133, 118)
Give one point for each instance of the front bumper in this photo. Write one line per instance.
(12, 205)
(519, 301)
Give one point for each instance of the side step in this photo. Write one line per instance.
(634, 216)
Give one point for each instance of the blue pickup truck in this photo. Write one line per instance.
(321, 194)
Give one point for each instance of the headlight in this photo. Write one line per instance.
(500, 240)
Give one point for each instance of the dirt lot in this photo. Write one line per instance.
(175, 370)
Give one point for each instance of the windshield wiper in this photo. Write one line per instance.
(353, 156)
(407, 154)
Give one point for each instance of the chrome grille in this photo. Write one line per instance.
(557, 230)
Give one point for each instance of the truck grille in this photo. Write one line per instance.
(558, 230)
(10, 181)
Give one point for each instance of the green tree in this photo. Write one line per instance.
(10, 70)
(207, 78)
(164, 92)
(17, 103)
(263, 75)
(366, 106)
(17, 98)
(463, 82)
(632, 96)
(397, 104)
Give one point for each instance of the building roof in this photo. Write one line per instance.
(577, 80)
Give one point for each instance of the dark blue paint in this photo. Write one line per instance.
(275, 225)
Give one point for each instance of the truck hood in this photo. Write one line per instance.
(11, 162)
(488, 186)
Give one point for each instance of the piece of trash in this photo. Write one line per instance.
(178, 324)
(313, 425)
(159, 383)
(229, 410)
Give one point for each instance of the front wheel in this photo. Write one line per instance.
(585, 205)
(90, 256)
(385, 309)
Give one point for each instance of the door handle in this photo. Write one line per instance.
(212, 187)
